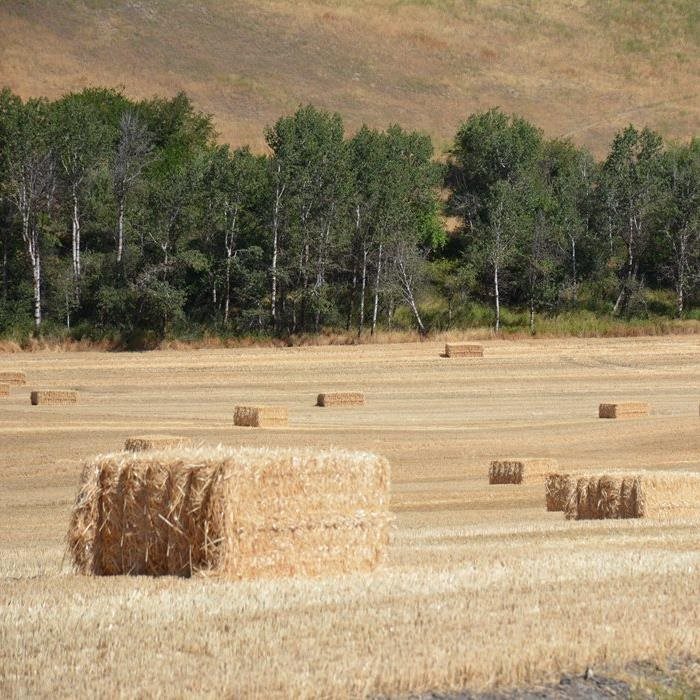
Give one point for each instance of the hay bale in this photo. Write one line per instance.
(260, 416)
(519, 471)
(54, 397)
(628, 409)
(558, 490)
(341, 398)
(140, 443)
(4, 389)
(645, 494)
(13, 377)
(232, 513)
(463, 350)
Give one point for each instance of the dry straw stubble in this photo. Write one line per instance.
(54, 397)
(233, 513)
(463, 350)
(139, 443)
(520, 470)
(12, 377)
(260, 416)
(341, 398)
(644, 494)
(628, 409)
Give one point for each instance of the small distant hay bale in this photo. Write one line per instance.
(520, 471)
(628, 409)
(54, 397)
(260, 416)
(558, 490)
(231, 513)
(341, 398)
(646, 494)
(140, 443)
(463, 350)
(13, 377)
(4, 389)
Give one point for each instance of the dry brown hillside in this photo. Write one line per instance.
(580, 68)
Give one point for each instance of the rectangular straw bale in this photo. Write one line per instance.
(231, 513)
(463, 350)
(628, 409)
(4, 389)
(520, 470)
(558, 489)
(341, 398)
(260, 416)
(54, 397)
(644, 494)
(7, 377)
(139, 443)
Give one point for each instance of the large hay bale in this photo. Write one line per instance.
(520, 470)
(233, 513)
(260, 416)
(463, 350)
(642, 494)
(54, 397)
(341, 398)
(4, 389)
(7, 377)
(140, 443)
(558, 490)
(628, 409)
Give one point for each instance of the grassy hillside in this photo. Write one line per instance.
(581, 68)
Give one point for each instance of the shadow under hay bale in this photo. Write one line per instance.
(520, 471)
(231, 513)
(140, 443)
(53, 397)
(629, 409)
(7, 377)
(341, 398)
(260, 416)
(558, 490)
(463, 350)
(659, 495)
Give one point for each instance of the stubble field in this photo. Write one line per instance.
(481, 587)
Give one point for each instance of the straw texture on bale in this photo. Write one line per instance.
(558, 490)
(519, 471)
(4, 389)
(260, 416)
(55, 397)
(139, 443)
(629, 409)
(463, 350)
(341, 398)
(233, 513)
(13, 377)
(661, 495)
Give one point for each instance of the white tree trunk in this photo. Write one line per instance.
(498, 297)
(120, 231)
(376, 290)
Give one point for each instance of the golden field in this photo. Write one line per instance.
(578, 68)
(481, 587)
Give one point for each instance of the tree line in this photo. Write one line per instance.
(125, 217)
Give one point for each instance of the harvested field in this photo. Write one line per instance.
(463, 350)
(235, 514)
(139, 443)
(629, 409)
(13, 377)
(260, 416)
(661, 495)
(481, 587)
(520, 470)
(53, 397)
(341, 398)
